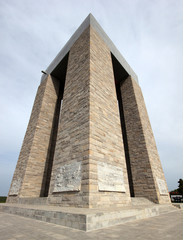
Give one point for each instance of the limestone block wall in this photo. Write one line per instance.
(72, 144)
(89, 133)
(106, 144)
(30, 170)
(147, 173)
(89, 167)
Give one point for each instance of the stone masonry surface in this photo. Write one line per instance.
(89, 130)
(35, 149)
(105, 139)
(88, 219)
(145, 163)
(84, 140)
(73, 132)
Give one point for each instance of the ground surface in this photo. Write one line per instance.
(166, 226)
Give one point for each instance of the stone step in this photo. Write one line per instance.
(136, 201)
(33, 201)
(165, 208)
(178, 205)
(86, 219)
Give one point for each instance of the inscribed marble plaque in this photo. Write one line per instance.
(110, 178)
(68, 178)
(15, 187)
(162, 186)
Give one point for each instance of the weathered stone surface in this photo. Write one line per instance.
(68, 178)
(162, 186)
(89, 129)
(110, 178)
(30, 170)
(89, 167)
(144, 159)
(106, 143)
(15, 187)
(85, 219)
(73, 131)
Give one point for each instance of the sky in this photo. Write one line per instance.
(148, 33)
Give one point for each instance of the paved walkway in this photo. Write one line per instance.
(167, 226)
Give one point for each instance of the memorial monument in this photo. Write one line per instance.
(89, 142)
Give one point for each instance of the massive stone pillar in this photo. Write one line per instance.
(30, 175)
(101, 142)
(89, 168)
(147, 174)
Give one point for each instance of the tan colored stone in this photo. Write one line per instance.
(35, 148)
(95, 125)
(144, 159)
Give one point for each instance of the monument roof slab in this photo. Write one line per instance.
(90, 21)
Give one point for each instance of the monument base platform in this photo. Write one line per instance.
(178, 205)
(89, 219)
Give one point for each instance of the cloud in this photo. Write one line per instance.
(148, 34)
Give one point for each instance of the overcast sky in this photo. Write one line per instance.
(148, 33)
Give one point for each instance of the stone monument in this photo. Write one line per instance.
(89, 142)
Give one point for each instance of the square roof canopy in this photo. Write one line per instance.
(121, 65)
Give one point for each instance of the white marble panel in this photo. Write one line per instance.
(110, 178)
(162, 186)
(68, 178)
(15, 187)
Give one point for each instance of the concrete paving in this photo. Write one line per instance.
(166, 226)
